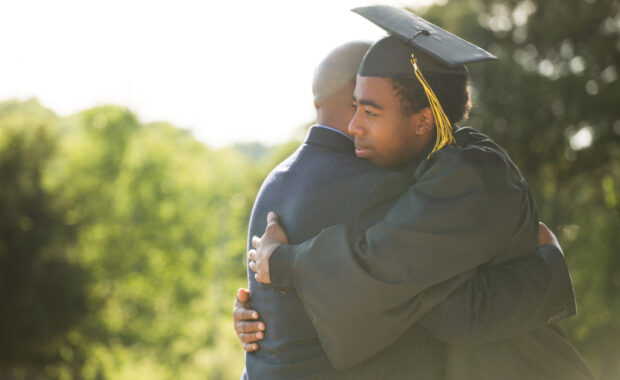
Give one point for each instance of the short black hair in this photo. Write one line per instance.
(452, 91)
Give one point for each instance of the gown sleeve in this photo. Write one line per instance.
(468, 206)
(505, 300)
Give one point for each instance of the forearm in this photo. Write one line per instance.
(336, 279)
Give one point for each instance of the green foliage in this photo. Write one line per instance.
(157, 221)
(42, 291)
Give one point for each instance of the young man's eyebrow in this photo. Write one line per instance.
(367, 102)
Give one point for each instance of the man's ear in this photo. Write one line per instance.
(426, 121)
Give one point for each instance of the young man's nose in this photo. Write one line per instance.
(355, 126)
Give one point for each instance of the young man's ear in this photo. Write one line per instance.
(426, 121)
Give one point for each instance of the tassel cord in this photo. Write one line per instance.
(444, 127)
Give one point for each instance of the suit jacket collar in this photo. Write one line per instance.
(330, 139)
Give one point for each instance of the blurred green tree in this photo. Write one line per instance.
(126, 241)
(42, 290)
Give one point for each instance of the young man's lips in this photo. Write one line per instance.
(362, 151)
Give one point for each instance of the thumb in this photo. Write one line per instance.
(243, 295)
(272, 218)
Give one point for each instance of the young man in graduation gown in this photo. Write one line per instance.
(324, 181)
(468, 206)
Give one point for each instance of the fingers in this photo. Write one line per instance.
(251, 337)
(250, 347)
(252, 258)
(262, 278)
(242, 314)
(274, 233)
(272, 218)
(250, 327)
(255, 241)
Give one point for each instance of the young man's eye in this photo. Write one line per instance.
(354, 105)
(370, 113)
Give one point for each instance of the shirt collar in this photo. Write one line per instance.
(333, 129)
(330, 139)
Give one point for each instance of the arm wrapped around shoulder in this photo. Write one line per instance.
(468, 206)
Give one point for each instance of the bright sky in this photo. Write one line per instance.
(232, 72)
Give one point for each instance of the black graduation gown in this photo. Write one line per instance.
(469, 206)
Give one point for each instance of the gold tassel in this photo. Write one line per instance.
(444, 127)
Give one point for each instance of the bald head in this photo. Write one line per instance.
(337, 71)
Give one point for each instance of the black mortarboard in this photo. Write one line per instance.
(436, 49)
(416, 45)
(391, 58)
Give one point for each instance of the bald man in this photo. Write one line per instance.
(322, 184)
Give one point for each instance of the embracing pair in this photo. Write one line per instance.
(403, 247)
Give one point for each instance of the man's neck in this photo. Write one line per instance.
(327, 117)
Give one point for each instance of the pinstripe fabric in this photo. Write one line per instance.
(319, 185)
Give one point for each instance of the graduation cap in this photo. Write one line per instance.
(416, 45)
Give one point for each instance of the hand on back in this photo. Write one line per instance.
(247, 326)
(264, 246)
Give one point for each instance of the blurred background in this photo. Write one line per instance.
(123, 222)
